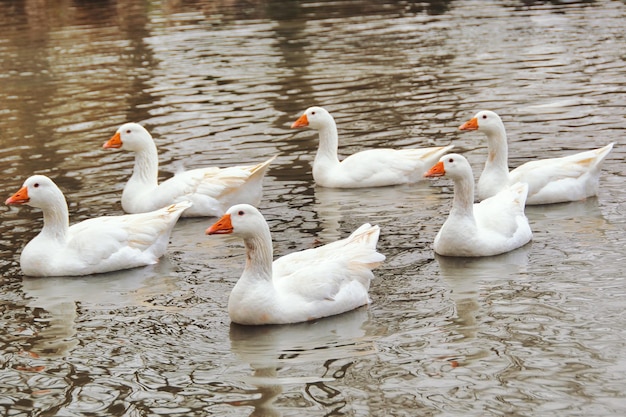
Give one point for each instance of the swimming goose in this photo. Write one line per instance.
(211, 190)
(370, 168)
(493, 226)
(300, 286)
(555, 180)
(101, 244)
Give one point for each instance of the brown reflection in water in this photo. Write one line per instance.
(53, 78)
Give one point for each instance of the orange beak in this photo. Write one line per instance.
(303, 121)
(114, 142)
(436, 171)
(471, 124)
(221, 227)
(21, 197)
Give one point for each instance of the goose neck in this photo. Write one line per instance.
(56, 219)
(463, 201)
(498, 149)
(259, 256)
(146, 168)
(329, 142)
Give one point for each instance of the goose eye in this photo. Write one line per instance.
(312, 112)
(484, 116)
(36, 185)
(451, 160)
(241, 213)
(128, 131)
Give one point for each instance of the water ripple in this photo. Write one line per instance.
(539, 331)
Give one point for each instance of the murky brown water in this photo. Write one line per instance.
(539, 331)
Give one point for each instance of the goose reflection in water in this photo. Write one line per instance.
(464, 276)
(61, 298)
(334, 206)
(268, 349)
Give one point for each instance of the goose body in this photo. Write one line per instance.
(211, 190)
(555, 180)
(300, 286)
(97, 245)
(495, 225)
(370, 168)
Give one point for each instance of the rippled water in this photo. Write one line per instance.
(539, 331)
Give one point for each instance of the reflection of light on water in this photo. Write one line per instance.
(61, 298)
(269, 348)
(560, 106)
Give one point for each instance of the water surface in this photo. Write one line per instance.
(538, 331)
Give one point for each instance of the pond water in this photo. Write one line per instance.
(538, 331)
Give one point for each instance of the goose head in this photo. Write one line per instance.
(314, 117)
(452, 165)
(241, 220)
(37, 191)
(484, 121)
(132, 136)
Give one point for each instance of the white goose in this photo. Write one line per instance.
(301, 286)
(211, 190)
(101, 244)
(556, 180)
(493, 226)
(370, 168)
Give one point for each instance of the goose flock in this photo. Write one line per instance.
(314, 283)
